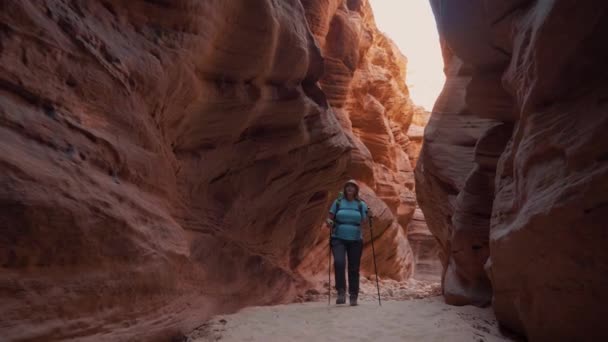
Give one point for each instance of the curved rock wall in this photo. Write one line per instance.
(160, 161)
(512, 174)
(365, 84)
(163, 161)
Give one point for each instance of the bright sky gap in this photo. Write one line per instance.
(411, 25)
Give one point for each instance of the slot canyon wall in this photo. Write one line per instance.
(364, 82)
(164, 161)
(512, 176)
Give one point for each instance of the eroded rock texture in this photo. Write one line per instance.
(513, 176)
(162, 161)
(448, 156)
(426, 250)
(364, 82)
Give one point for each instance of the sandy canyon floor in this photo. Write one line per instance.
(410, 311)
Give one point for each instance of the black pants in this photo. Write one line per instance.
(351, 249)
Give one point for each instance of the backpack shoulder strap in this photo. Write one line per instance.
(361, 208)
(338, 200)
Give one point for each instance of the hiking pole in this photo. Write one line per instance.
(371, 231)
(329, 272)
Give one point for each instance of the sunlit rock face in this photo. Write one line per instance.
(163, 161)
(512, 174)
(364, 82)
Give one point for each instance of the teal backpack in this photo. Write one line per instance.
(340, 198)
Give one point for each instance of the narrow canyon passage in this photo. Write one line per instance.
(166, 164)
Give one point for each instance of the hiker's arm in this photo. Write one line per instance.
(329, 222)
(365, 223)
(366, 215)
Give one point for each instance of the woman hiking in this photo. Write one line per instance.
(347, 214)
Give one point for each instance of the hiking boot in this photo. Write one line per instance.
(341, 297)
(353, 300)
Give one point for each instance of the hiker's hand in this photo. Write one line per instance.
(329, 223)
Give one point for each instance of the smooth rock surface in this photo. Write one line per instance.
(165, 161)
(161, 162)
(516, 199)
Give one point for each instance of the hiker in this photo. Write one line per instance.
(347, 214)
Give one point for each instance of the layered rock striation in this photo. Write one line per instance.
(163, 161)
(511, 176)
(364, 82)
